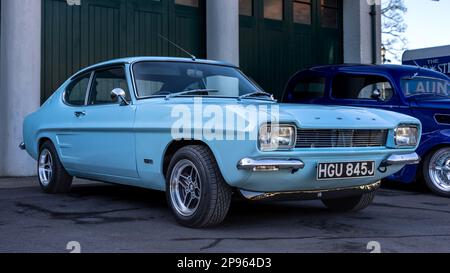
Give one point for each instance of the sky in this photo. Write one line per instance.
(428, 23)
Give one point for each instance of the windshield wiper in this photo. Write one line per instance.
(256, 93)
(187, 92)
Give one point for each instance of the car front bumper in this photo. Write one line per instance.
(271, 164)
(298, 172)
(407, 159)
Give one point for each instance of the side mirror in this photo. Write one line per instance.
(376, 94)
(119, 95)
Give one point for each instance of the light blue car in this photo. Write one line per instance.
(201, 130)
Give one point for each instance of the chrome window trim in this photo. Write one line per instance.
(89, 88)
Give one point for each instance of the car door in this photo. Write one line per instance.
(105, 141)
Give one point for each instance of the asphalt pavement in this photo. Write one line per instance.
(96, 217)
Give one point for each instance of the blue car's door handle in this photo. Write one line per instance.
(80, 113)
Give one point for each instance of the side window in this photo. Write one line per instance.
(76, 92)
(309, 88)
(362, 87)
(104, 82)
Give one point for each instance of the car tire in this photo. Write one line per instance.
(195, 189)
(437, 180)
(350, 204)
(52, 176)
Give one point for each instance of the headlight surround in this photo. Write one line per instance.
(406, 135)
(277, 137)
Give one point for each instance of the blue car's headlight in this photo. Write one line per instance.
(276, 137)
(406, 135)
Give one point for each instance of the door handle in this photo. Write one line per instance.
(80, 113)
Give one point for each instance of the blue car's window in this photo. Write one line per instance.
(76, 92)
(362, 87)
(425, 87)
(163, 78)
(104, 82)
(308, 89)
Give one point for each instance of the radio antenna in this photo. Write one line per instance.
(179, 47)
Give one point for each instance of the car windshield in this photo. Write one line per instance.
(166, 78)
(426, 87)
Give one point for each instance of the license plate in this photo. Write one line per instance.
(344, 170)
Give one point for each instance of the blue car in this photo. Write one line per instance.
(201, 130)
(419, 92)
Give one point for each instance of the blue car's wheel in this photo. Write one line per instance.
(195, 188)
(52, 176)
(436, 170)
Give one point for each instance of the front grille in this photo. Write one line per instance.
(339, 138)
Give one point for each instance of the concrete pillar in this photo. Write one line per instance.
(20, 78)
(222, 30)
(359, 28)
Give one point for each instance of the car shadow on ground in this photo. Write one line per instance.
(242, 213)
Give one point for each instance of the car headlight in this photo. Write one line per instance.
(276, 137)
(406, 135)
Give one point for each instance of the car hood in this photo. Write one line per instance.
(303, 115)
(314, 116)
(432, 104)
(321, 116)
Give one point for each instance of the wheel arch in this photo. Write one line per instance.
(176, 145)
(42, 140)
(433, 148)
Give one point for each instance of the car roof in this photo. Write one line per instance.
(385, 68)
(131, 60)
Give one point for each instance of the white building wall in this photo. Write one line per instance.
(222, 24)
(359, 39)
(20, 78)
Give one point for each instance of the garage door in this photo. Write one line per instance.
(280, 37)
(78, 33)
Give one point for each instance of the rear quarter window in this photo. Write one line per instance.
(76, 92)
(309, 88)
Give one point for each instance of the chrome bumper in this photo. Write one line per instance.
(408, 159)
(312, 194)
(22, 146)
(267, 165)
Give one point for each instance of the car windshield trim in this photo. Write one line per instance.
(238, 70)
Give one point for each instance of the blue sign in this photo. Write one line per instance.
(440, 64)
